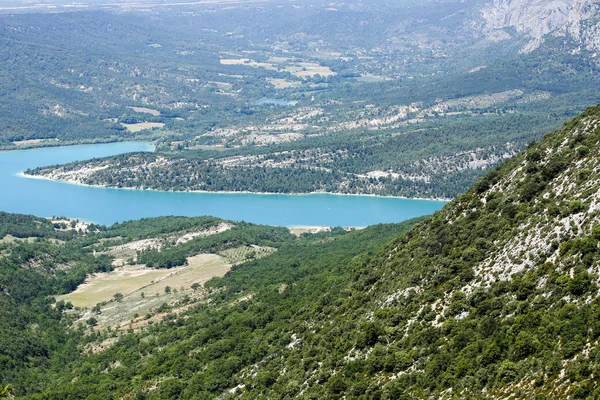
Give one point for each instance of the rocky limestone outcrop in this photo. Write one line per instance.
(535, 19)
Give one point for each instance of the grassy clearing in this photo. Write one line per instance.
(307, 69)
(30, 142)
(248, 62)
(372, 78)
(122, 255)
(282, 83)
(103, 286)
(130, 249)
(140, 126)
(145, 110)
(12, 239)
(144, 290)
(131, 278)
(200, 269)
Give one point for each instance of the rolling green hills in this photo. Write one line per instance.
(494, 296)
(415, 99)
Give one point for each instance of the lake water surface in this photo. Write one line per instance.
(275, 102)
(105, 206)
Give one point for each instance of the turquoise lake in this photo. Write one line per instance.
(274, 102)
(105, 206)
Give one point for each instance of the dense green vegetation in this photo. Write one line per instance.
(496, 292)
(241, 235)
(281, 284)
(433, 113)
(33, 338)
(39, 260)
(25, 226)
(335, 165)
(495, 296)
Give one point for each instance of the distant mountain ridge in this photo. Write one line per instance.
(577, 20)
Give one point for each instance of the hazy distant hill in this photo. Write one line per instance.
(576, 20)
(415, 99)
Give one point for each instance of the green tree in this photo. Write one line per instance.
(5, 392)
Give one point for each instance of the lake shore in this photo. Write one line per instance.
(47, 143)
(40, 196)
(299, 230)
(22, 174)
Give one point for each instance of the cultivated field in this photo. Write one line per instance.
(143, 289)
(245, 253)
(299, 69)
(140, 126)
(280, 83)
(306, 69)
(145, 110)
(103, 286)
(248, 62)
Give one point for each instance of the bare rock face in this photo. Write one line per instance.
(577, 19)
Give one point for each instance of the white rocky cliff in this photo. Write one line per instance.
(534, 19)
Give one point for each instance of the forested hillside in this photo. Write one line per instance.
(415, 99)
(41, 259)
(494, 296)
(45, 324)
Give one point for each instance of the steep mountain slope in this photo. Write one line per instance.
(499, 291)
(577, 20)
(495, 296)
